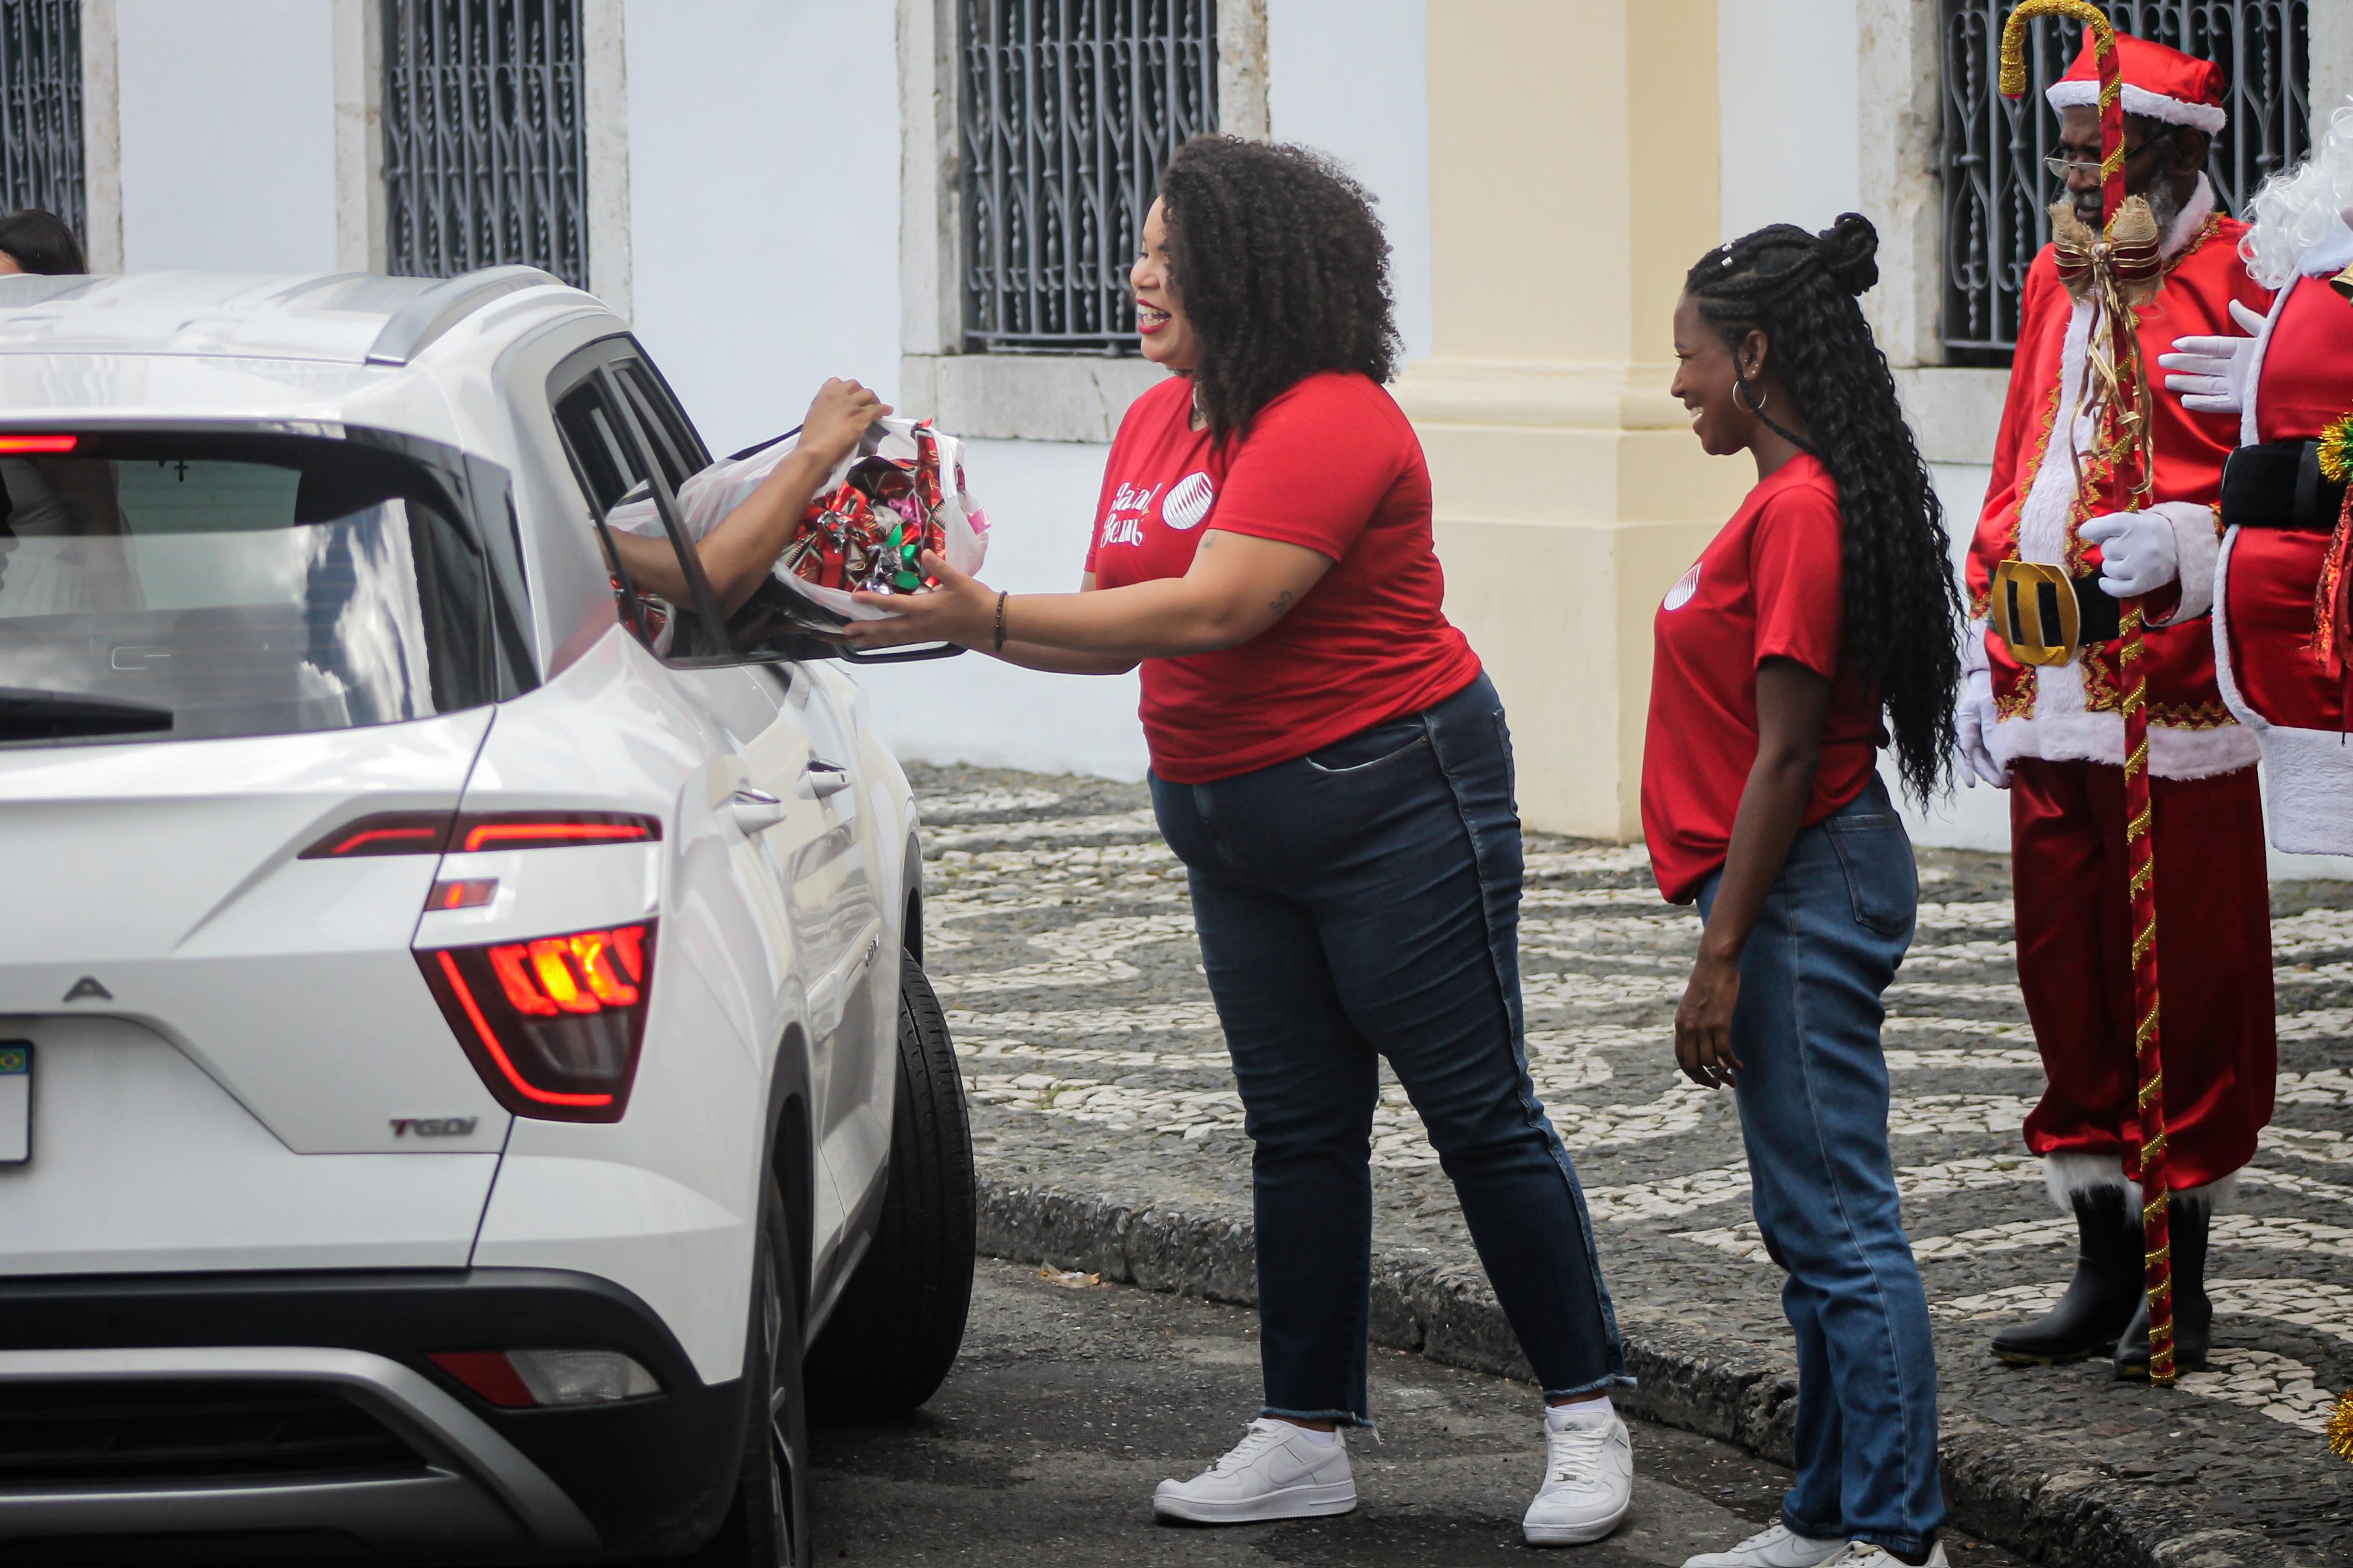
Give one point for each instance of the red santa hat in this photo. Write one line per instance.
(2159, 83)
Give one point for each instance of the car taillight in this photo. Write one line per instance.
(38, 443)
(553, 1023)
(431, 832)
(386, 833)
(536, 829)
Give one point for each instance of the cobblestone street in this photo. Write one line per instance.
(1059, 932)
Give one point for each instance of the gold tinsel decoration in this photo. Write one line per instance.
(2336, 450)
(2340, 1430)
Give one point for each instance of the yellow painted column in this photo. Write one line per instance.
(1573, 178)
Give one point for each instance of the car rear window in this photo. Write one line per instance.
(182, 585)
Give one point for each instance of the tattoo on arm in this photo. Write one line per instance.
(1280, 602)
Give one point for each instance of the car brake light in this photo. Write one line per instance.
(386, 833)
(524, 1380)
(431, 832)
(525, 830)
(552, 1024)
(38, 443)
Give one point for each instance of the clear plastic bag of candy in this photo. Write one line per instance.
(901, 493)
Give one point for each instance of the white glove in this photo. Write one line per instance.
(1974, 717)
(2138, 553)
(2212, 371)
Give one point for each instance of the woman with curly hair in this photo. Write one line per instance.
(1819, 620)
(1331, 765)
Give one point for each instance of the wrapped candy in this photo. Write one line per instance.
(901, 494)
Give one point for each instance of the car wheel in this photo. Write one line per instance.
(768, 1525)
(896, 1331)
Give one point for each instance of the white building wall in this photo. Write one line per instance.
(1351, 76)
(1788, 90)
(228, 131)
(763, 175)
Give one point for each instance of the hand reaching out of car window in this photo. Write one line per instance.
(838, 419)
(739, 553)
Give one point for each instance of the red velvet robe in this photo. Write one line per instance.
(2062, 729)
(2033, 511)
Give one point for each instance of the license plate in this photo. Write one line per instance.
(16, 1101)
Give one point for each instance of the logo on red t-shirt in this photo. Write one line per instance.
(1188, 503)
(1685, 586)
(1123, 522)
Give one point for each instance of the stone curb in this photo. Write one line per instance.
(1997, 1487)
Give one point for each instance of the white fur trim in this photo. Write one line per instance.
(2247, 426)
(2225, 676)
(2207, 117)
(2312, 790)
(2068, 1176)
(2212, 1198)
(2084, 736)
(2194, 214)
(2195, 545)
(2310, 807)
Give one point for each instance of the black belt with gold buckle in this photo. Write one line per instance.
(2045, 617)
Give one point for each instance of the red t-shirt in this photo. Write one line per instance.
(1767, 586)
(1333, 465)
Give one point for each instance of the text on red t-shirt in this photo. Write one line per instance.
(1331, 465)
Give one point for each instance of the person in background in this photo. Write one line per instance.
(1331, 765)
(37, 241)
(2045, 722)
(2283, 627)
(1820, 617)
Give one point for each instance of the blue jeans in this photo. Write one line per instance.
(1813, 1111)
(1363, 903)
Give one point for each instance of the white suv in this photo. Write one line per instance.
(461, 1022)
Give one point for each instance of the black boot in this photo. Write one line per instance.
(2100, 1297)
(2193, 1309)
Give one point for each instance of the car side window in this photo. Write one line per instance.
(608, 459)
(614, 470)
(677, 447)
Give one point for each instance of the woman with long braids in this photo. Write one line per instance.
(1331, 765)
(1819, 622)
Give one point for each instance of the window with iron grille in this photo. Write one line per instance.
(1069, 110)
(40, 108)
(1997, 192)
(485, 146)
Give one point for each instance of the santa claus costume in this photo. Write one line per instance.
(2043, 713)
(2280, 616)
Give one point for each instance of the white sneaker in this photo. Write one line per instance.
(1779, 1547)
(1863, 1554)
(1274, 1472)
(1589, 1483)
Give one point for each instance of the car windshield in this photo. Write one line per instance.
(184, 585)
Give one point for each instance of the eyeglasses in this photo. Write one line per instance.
(2063, 168)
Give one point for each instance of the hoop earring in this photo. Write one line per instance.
(1740, 395)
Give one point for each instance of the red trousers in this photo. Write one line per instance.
(2219, 1049)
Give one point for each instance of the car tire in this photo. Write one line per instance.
(767, 1523)
(895, 1331)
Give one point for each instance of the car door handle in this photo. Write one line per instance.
(822, 778)
(755, 810)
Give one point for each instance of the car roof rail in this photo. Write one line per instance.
(417, 325)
